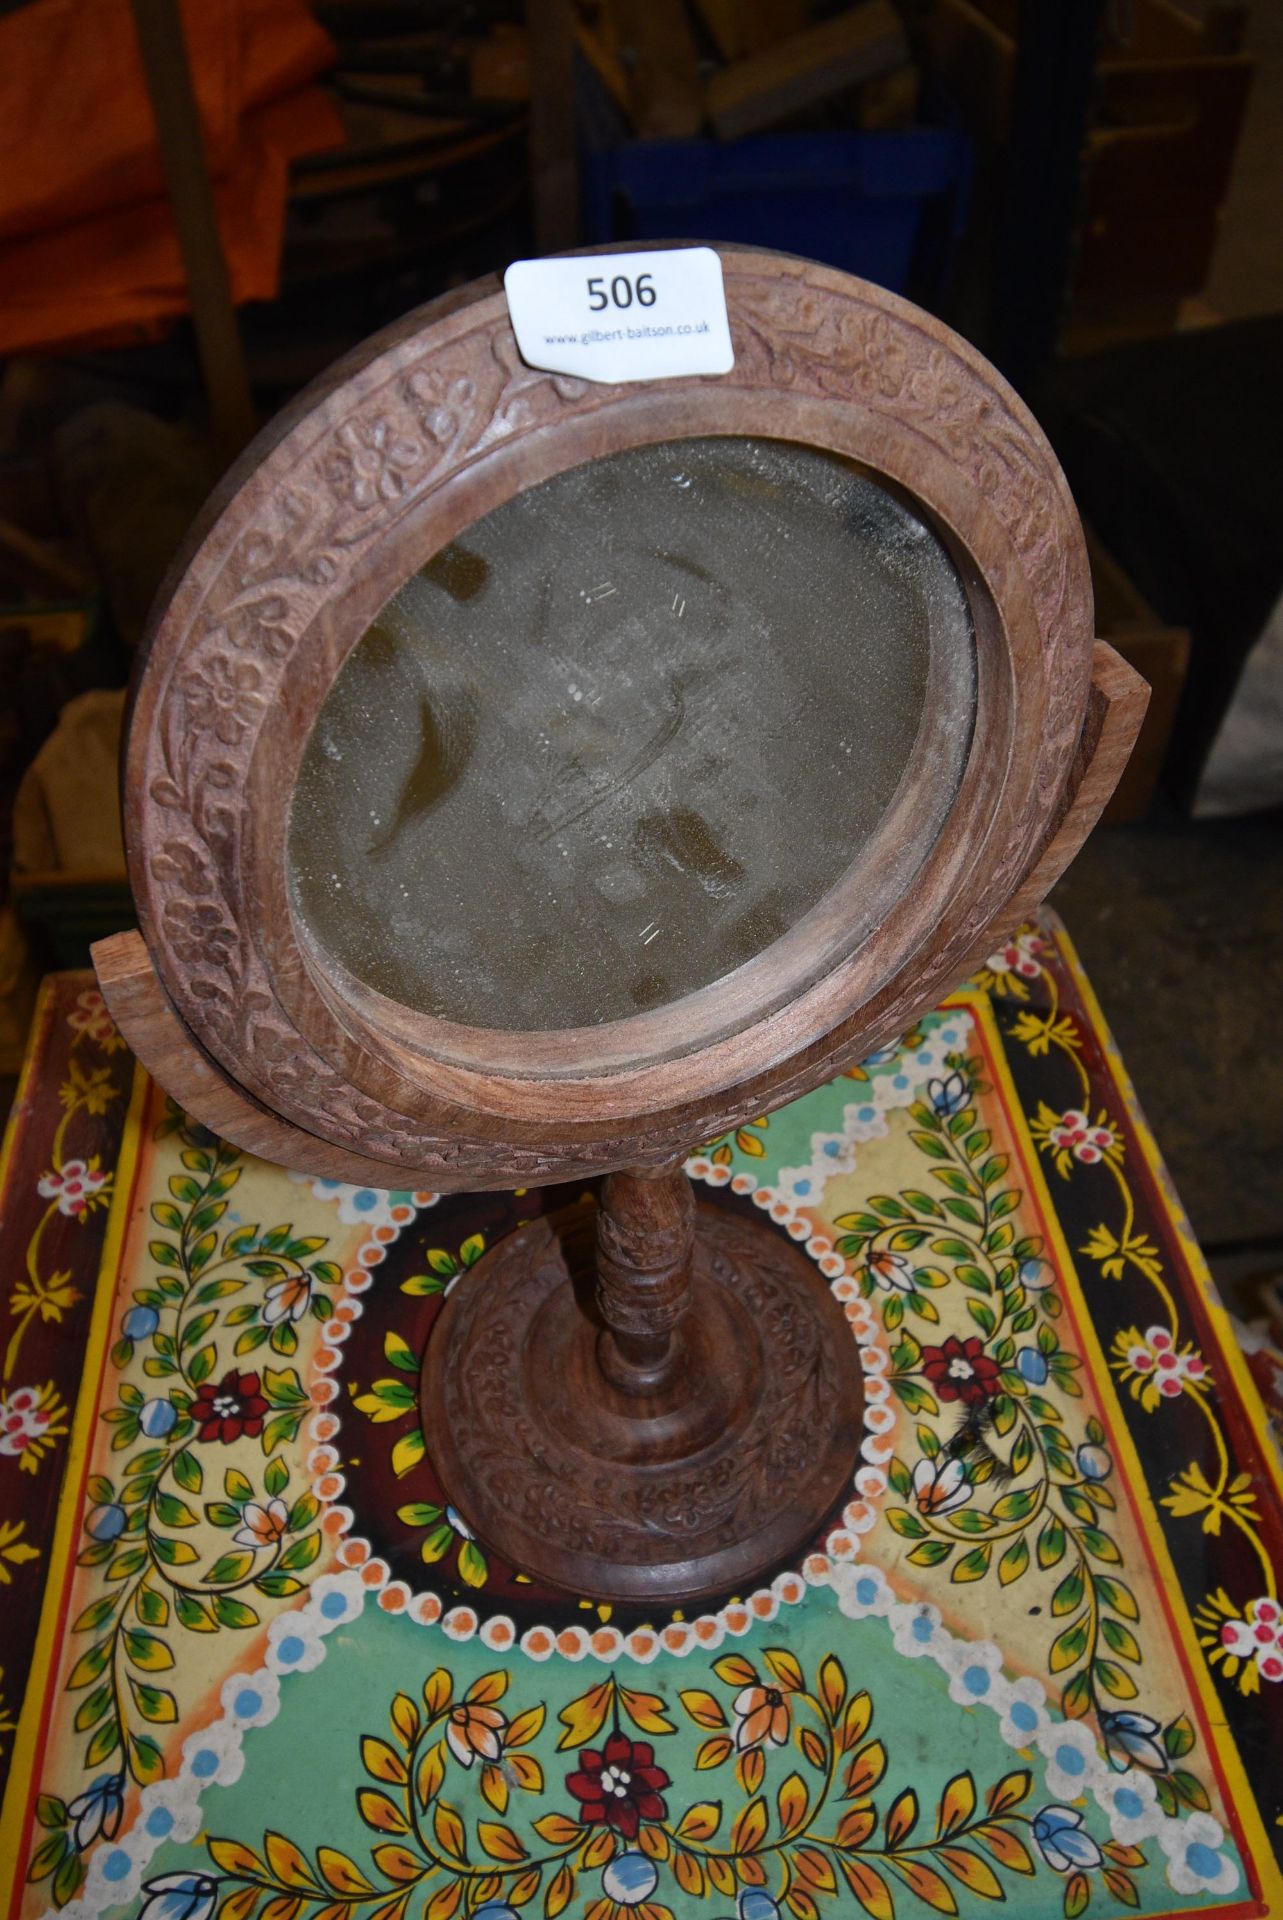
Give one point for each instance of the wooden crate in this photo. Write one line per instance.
(1163, 129)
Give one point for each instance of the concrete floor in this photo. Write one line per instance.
(1180, 925)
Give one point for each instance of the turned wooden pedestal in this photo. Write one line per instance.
(671, 1425)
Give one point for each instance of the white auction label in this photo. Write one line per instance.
(622, 316)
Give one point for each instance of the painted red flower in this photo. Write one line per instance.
(619, 1787)
(232, 1408)
(961, 1370)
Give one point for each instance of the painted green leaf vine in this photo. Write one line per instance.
(998, 1486)
(154, 1526)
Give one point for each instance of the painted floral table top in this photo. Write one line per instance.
(256, 1668)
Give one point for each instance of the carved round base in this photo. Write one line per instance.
(669, 1496)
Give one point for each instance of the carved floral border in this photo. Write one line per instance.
(414, 417)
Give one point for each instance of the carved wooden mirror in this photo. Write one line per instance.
(530, 778)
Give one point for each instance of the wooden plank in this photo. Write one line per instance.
(764, 23)
(218, 341)
(554, 160)
(499, 65)
(1163, 29)
(1154, 176)
(724, 22)
(599, 45)
(657, 48)
(976, 59)
(811, 66)
(1160, 654)
(741, 27)
(1115, 711)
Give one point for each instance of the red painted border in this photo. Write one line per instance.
(70, 1520)
(1035, 1188)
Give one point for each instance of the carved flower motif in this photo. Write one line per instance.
(277, 1056)
(265, 620)
(180, 865)
(880, 364)
(370, 462)
(197, 933)
(221, 696)
(517, 402)
(933, 387)
(440, 414)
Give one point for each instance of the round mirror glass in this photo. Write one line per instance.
(631, 731)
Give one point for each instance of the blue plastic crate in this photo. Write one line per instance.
(854, 200)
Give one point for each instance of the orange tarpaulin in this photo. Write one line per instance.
(88, 247)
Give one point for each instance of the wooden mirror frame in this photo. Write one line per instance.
(399, 449)
(676, 1415)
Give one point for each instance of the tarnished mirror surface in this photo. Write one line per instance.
(627, 731)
